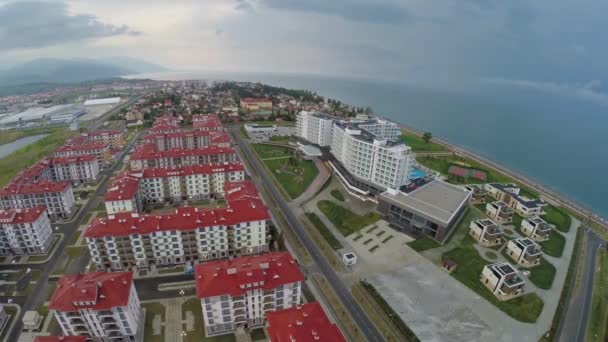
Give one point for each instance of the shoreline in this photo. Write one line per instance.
(544, 191)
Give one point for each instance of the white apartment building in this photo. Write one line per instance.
(79, 146)
(208, 122)
(114, 138)
(239, 292)
(101, 306)
(381, 162)
(536, 228)
(57, 197)
(131, 191)
(187, 235)
(188, 140)
(502, 280)
(314, 127)
(146, 156)
(486, 232)
(524, 251)
(25, 231)
(77, 169)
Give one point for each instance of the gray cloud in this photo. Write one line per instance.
(379, 12)
(31, 24)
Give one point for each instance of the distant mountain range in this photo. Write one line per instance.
(49, 70)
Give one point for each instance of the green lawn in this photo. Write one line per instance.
(258, 334)
(558, 217)
(542, 276)
(423, 244)
(442, 164)
(555, 245)
(281, 139)
(525, 308)
(337, 195)
(12, 135)
(30, 154)
(322, 228)
(75, 237)
(597, 328)
(418, 144)
(271, 151)
(345, 220)
(153, 309)
(244, 131)
(198, 335)
(75, 251)
(294, 179)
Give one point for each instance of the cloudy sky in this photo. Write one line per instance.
(559, 43)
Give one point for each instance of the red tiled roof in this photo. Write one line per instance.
(73, 159)
(125, 186)
(151, 137)
(19, 215)
(36, 187)
(234, 191)
(192, 170)
(148, 151)
(105, 289)
(101, 132)
(184, 218)
(80, 338)
(90, 146)
(305, 323)
(225, 277)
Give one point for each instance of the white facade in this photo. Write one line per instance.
(502, 280)
(85, 170)
(382, 129)
(486, 232)
(314, 127)
(25, 231)
(374, 160)
(524, 251)
(536, 228)
(58, 202)
(121, 205)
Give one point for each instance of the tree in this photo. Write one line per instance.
(427, 136)
(368, 110)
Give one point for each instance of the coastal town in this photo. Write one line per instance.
(140, 210)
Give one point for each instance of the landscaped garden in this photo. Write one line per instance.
(542, 276)
(555, 245)
(525, 308)
(417, 143)
(337, 195)
(423, 244)
(325, 232)
(558, 217)
(293, 173)
(346, 221)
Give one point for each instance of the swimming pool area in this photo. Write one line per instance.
(417, 173)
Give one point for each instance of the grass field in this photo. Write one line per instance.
(542, 276)
(322, 228)
(12, 135)
(345, 220)
(558, 217)
(526, 308)
(337, 195)
(442, 164)
(418, 144)
(153, 309)
(555, 245)
(271, 151)
(30, 154)
(597, 329)
(423, 244)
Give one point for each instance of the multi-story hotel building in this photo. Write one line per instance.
(146, 156)
(315, 127)
(101, 306)
(209, 122)
(372, 163)
(188, 234)
(77, 169)
(188, 140)
(133, 190)
(239, 292)
(25, 231)
(302, 323)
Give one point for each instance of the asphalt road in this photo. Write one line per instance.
(38, 295)
(366, 326)
(578, 310)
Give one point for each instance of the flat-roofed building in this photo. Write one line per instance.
(253, 104)
(486, 232)
(315, 127)
(510, 194)
(25, 231)
(239, 292)
(524, 251)
(500, 212)
(432, 210)
(478, 194)
(536, 228)
(101, 306)
(302, 323)
(502, 280)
